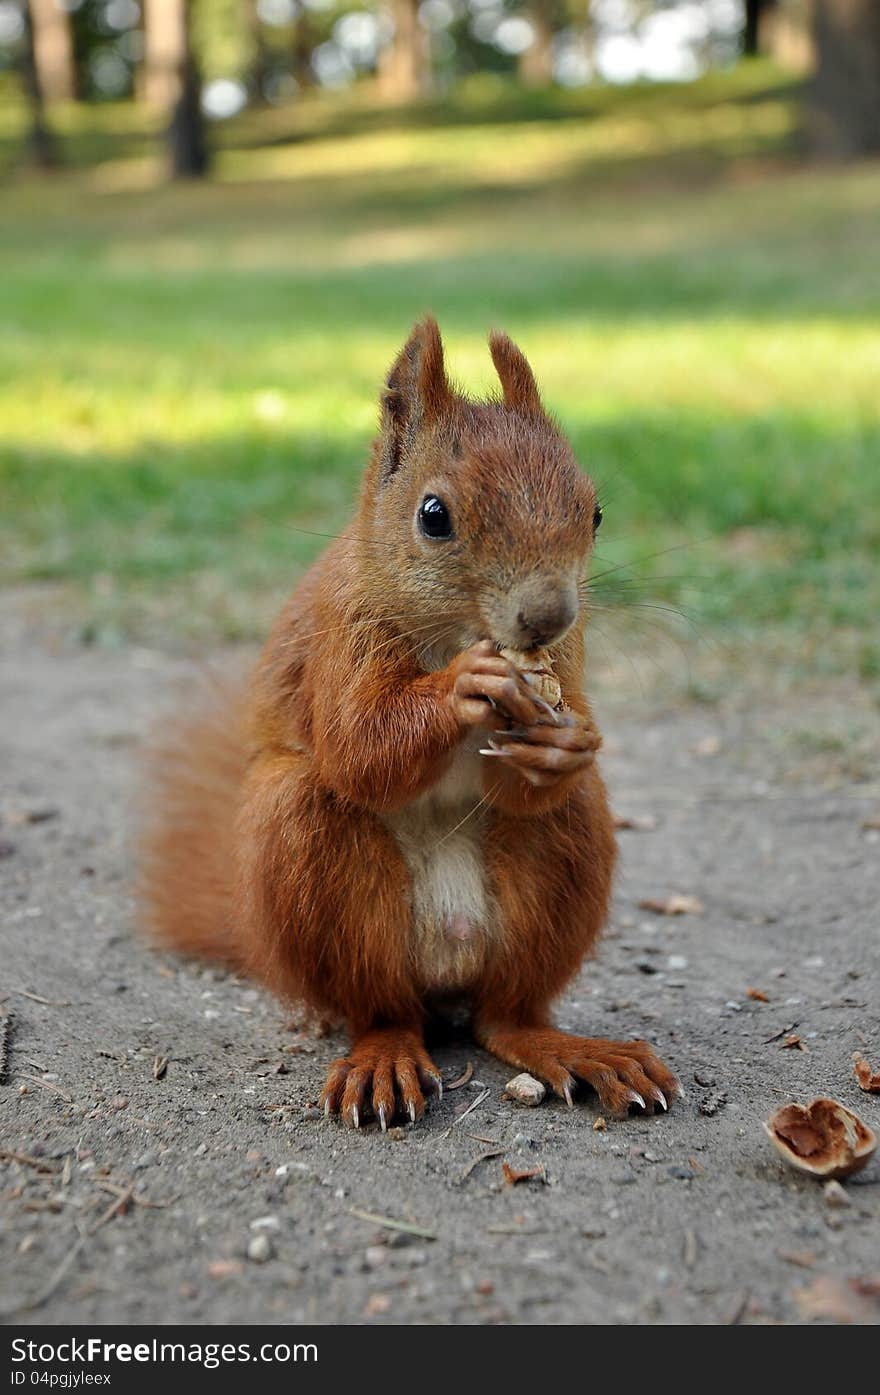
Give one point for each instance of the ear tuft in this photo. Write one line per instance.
(416, 393)
(517, 379)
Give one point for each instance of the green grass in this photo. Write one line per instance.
(188, 376)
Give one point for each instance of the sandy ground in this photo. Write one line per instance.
(761, 813)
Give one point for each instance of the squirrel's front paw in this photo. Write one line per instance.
(383, 1075)
(487, 688)
(544, 754)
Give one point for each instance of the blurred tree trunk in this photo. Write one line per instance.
(845, 98)
(752, 30)
(536, 63)
(53, 50)
(171, 80)
(403, 65)
(784, 34)
(303, 44)
(259, 60)
(42, 147)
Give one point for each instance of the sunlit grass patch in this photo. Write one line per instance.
(189, 376)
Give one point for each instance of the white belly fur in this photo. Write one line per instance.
(441, 836)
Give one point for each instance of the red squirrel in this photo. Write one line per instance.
(393, 817)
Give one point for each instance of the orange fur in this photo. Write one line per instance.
(304, 839)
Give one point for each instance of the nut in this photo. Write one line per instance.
(823, 1138)
(537, 670)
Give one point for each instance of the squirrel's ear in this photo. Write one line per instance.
(416, 392)
(517, 379)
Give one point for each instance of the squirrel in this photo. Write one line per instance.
(393, 818)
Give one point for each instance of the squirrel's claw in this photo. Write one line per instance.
(384, 1074)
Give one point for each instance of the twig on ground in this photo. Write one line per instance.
(471, 1107)
(475, 1162)
(117, 1207)
(8, 1155)
(391, 1224)
(39, 1298)
(462, 1079)
(47, 1085)
(36, 998)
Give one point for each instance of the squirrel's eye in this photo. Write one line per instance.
(597, 517)
(434, 519)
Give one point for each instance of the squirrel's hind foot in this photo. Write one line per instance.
(622, 1073)
(384, 1074)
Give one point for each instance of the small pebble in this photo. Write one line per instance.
(522, 1142)
(260, 1248)
(525, 1089)
(834, 1194)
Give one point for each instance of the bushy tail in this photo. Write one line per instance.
(186, 864)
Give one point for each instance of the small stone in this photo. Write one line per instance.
(522, 1142)
(525, 1089)
(253, 1155)
(201, 1150)
(710, 1104)
(676, 961)
(266, 1223)
(260, 1248)
(145, 1160)
(835, 1194)
(118, 1102)
(375, 1256)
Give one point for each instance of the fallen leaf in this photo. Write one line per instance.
(513, 1175)
(840, 1300)
(804, 1259)
(793, 1043)
(868, 1078)
(637, 823)
(224, 1268)
(672, 905)
(756, 995)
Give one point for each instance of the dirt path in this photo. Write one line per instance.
(683, 1218)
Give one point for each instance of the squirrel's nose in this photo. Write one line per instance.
(543, 618)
